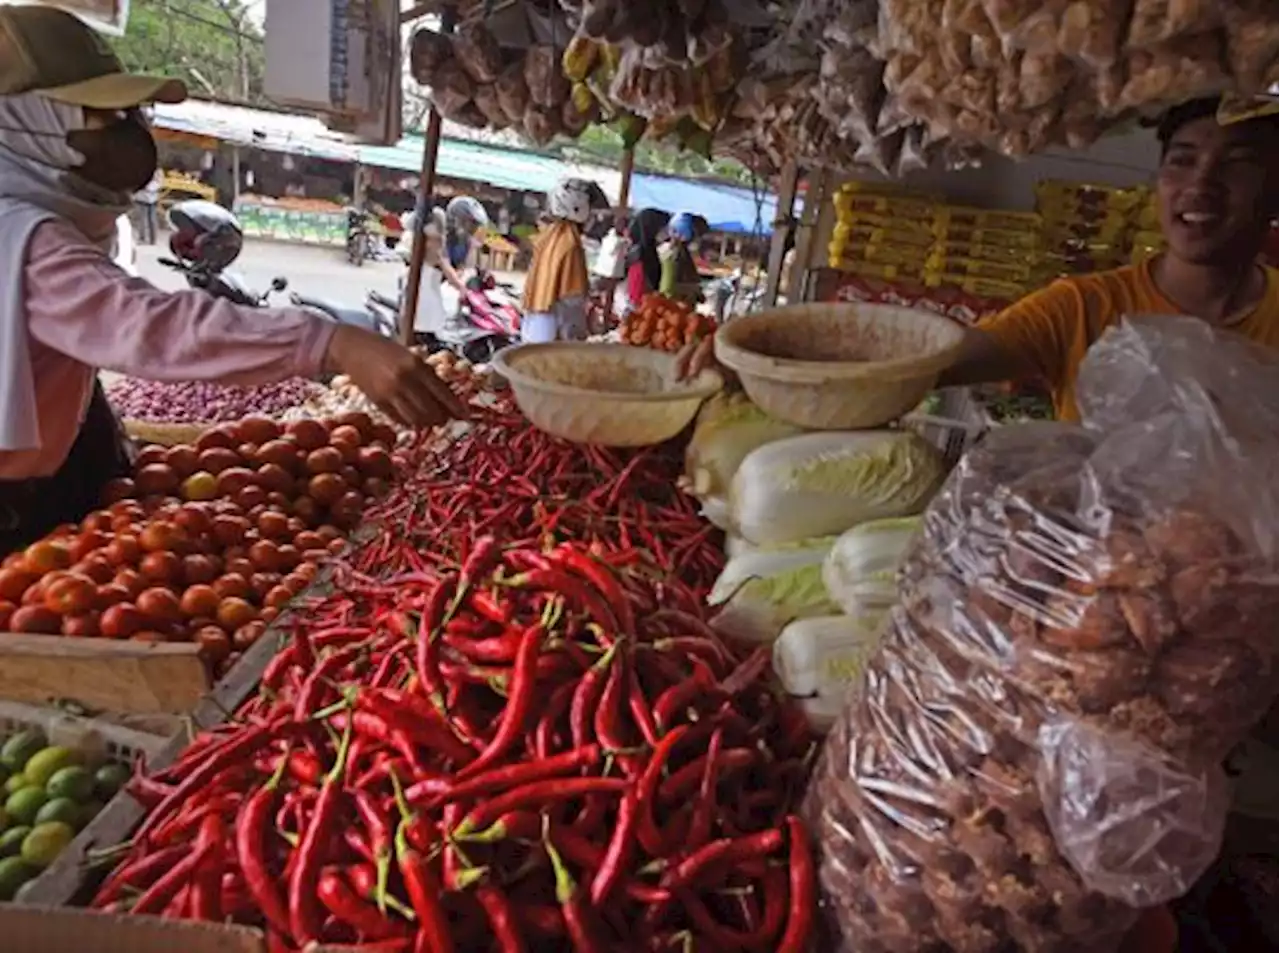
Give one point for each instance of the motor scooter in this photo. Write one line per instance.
(485, 320)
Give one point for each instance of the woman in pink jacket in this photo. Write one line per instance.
(74, 147)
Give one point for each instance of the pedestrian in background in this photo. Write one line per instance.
(146, 201)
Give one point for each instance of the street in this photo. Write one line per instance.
(311, 271)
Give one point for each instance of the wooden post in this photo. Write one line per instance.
(814, 199)
(426, 186)
(788, 179)
(624, 189)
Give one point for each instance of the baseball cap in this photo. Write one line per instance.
(51, 52)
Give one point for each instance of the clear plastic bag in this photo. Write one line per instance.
(1091, 32)
(1080, 638)
(477, 51)
(1174, 72)
(1159, 21)
(1252, 34)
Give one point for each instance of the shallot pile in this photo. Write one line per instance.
(199, 402)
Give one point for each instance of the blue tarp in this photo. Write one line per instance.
(725, 207)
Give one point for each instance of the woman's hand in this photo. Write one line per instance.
(393, 377)
(695, 357)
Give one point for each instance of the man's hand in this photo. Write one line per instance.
(696, 357)
(392, 377)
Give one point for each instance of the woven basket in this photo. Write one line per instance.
(164, 434)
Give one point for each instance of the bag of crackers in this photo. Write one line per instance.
(1085, 627)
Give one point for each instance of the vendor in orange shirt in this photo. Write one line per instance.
(1217, 194)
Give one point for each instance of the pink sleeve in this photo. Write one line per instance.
(80, 303)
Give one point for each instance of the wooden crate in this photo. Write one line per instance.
(119, 676)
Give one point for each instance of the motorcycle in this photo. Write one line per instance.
(485, 321)
(360, 238)
(205, 240)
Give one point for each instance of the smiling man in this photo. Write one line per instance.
(1217, 194)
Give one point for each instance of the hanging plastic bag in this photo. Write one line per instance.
(820, 484)
(760, 591)
(1081, 637)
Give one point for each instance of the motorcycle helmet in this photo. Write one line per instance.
(466, 214)
(571, 201)
(204, 234)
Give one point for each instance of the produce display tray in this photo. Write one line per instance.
(100, 741)
(164, 434)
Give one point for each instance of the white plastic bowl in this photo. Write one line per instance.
(615, 395)
(838, 366)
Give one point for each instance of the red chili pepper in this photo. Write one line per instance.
(572, 588)
(672, 702)
(535, 795)
(603, 580)
(545, 733)
(502, 919)
(498, 779)
(206, 884)
(524, 686)
(803, 883)
(617, 857)
(425, 896)
(704, 809)
(429, 641)
(608, 714)
(641, 713)
(306, 922)
(586, 697)
(137, 873)
(341, 901)
(748, 672)
(646, 828)
(722, 852)
(578, 918)
(381, 840)
(156, 897)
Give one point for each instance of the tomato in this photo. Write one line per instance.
(294, 582)
(345, 434)
(374, 461)
(232, 586)
(375, 487)
(246, 635)
(289, 556)
(384, 434)
(200, 600)
(151, 453)
(283, 453)
(112, 594)
(199, 569)
(240, 565)
(234, 613)
(36, 620)
(277, 597)
(229, 530)
(7, 609)
(222, 437)
(358, 419)
(160, 536)
(124, 550)
(14, 582)
(326, 487)
(308, 434)
(87, 542)
(96, 567)
(130, 580)
(272, 476)
(99, 520)
(193, 519)
(87, 626)
(351, 477)
(215, 645)
(265, 555)
(346, 510)
(263, 582)
(46, 556)
(121, 488)
(234, 479)
(273, 525)
(217, 459)
(160, 605)
(324, 460)
(73, 594)
(257, 429)
(183, 459)
(251, 497)
(200, 486)
(161, 567)
(156, 479)
(337, 546)
(120, 621)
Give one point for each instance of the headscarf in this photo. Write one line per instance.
(37, 184)
(559, 268)
(644, 230)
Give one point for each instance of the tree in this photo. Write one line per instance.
(214, 45)
(603, 144)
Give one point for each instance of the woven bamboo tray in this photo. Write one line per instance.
(164, 434)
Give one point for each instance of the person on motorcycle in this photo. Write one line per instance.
(464, 218)
(555, 292)
(74, 147)
(680, 277)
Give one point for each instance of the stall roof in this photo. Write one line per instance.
(725, 207)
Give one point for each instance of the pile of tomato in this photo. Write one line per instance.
(205, 542)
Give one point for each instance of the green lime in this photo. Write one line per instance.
(59, 809)
(16, 783)
(88, 811)
(20, 747)
(47, 762)
(74, 782)
(109, 779)
(23, 805)
(14, 872)
(11, 840)
(45, 842)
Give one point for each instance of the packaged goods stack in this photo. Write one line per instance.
(1147, 238)
(985, 253)
(882, 232)
(1092, 227)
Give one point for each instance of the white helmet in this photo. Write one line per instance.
(570, 200)
(466, 214)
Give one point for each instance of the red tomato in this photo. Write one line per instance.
(87, 626)
(217, 437)
(234, 613)
(156, 479)
(131, 581)
(256, 429)
(7, 609)
(46, 556)
(215, 460)
(151, 453)
(161, 567)
(326, 488)
(215, 645)
(229, 530)
(124, 550)
(15, 582)
(200, 601)
(273, 525)
(183, 460)
(358, 419)
(324, 460)
(232, 586)
(272, 476)
(73, 594)
(199, 568)
(265, 555)
(193, 519)
(375, 462)
(119, 489)
(110, 595)
(308, 434)
(246, 635)
(36, 620)
(96, 567)
(234, 479)
(283, 453)
(277, 598)
(160, 605)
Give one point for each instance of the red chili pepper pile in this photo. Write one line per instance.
(493, 740)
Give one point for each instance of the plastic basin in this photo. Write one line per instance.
(615, 395)
(838, 366)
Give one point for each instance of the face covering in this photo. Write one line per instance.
(120, 157)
